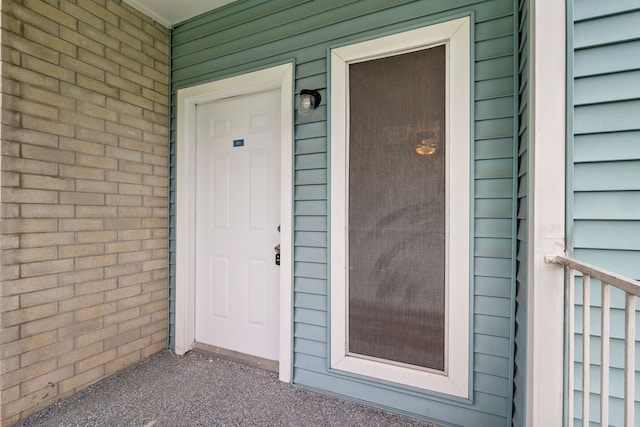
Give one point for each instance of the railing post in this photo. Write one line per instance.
(629, 359)
(586, 341)
(604, 354)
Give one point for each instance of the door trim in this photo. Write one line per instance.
(278, 77)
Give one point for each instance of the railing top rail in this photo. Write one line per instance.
(621, 282)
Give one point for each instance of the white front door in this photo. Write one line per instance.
(237, 223)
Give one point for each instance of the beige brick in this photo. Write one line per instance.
(154, 222)
(35, 370)
(18, 256)
(45, 296)
(76, 329)
(122, 292)
(96, 86)
(135, 144)
(120, 200)
(10, 364)
(127, 246)
(26, 76)
(91, 149)
(26, 344)
(80, 224)
(48, 68)
(138, 300)
(96, 161)
(9, 334)
(48, 126)
(16, 287)
(24, 315)
(80, 40)
(157, 284)
(80, 381)
(76, 92)
(96, 211)
(46, 267)
(95, 261)
(97, 111)
(118, 176)
(126, 62)
(159, 181)
(47, 211)
(29, 47)
(155, 160)
(122, 362)
(25, 106)
(96, 360)
(9, 210)
(98, 9)
(52, 13)
(155, 118)
(160, 170)
(11, 164)
(47, 97)
(96, 186)
(19, 195)
(121, 223)
(154, 244)
(81, 172)
(152, 328)
(134, 346)
(154, 201)
(47, 182)
(9, 272)
(126, 131)
(75, 198)
(122, 316)
(122, 153)
(136, 212)
(47, 381)
(10, 394)
(95, 311)
(44, 325)
(153, 265)
(82, 15)
(9, 241)
(132, 324)
(121, 339)
(134, 189)
(73, 356)
(125, 12)
(36, 356)
(96, 286)
(134, 257)
(80, 119)
(134, 234)
(96, 336)
(138, 100)
(95, 236)
(119, 270)
(80, 250)
(159, 345)
(45, 239)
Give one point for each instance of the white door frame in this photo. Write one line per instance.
(278, 77)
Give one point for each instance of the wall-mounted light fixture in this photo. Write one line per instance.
(426, 145)
(308, 101)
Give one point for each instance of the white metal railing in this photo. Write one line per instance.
(631, 288)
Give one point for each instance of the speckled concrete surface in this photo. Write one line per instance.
(200, 390)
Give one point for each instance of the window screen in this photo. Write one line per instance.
(396, 219)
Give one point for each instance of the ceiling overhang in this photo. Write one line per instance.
(171, 12)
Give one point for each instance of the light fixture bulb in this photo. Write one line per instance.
(426, 147)
(308, 101)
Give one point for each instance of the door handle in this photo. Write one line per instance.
(277, 249)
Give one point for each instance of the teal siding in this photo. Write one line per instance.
(522, 182)
(252, 34)
(604, 165)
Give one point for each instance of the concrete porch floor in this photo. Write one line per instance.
(203, 390)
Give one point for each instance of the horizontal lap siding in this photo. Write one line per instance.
(606, 135)
(605, 195)
(248, 35)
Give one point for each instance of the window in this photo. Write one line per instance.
(400, 208)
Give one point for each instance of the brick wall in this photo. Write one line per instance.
(83, 196)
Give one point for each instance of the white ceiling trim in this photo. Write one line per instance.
(171, 12)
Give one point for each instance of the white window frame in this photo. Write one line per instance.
(455, 34)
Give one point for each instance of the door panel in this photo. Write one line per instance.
(237, 218)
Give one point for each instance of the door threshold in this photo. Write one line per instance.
(245, 359)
